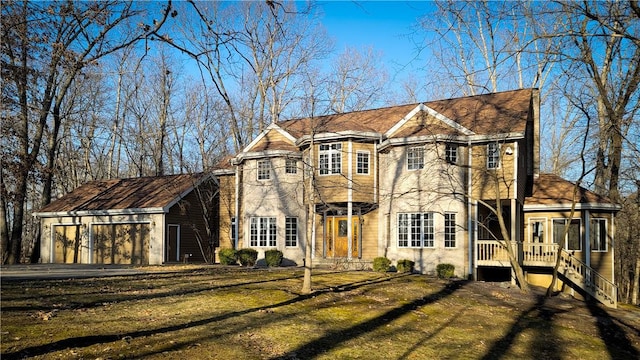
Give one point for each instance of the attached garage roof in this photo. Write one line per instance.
(553, 192)
(143, 194)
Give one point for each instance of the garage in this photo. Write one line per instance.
(67, 249)
(126, 243)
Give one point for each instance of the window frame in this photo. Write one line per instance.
(263, 231)
(602, 231)
(566, 239)
(360, 170)
(291, 166)
(493, 155)
(451, 153)
(545, 231)
(291, 231)
(416, 235)
(415, 158)
(450, 231)
(332, 155)
(263, 170)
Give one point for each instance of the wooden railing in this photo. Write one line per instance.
(588, 279)
(493, 253)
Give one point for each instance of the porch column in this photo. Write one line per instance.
(349, 198)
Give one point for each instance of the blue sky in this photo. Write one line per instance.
(385, 25)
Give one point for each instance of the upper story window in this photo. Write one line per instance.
(264, 170)
(451, 153)
(330, 160)
(291, 166)
(362, 162)
(493, 155)
(598, 234)
(415, 158)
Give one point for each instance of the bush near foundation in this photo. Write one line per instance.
(228, 256)
(381, 264)
(273, 257)
(445, 271)
(247, 257)
(405, 266)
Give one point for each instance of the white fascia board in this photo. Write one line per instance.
(497, 137)
(422, 139)
(112, 212)
(339, 135)
(567, 207)
(432, 112)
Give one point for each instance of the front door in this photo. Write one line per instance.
(172, 251)
(338, 241)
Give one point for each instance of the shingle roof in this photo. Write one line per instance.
(120, 194)
(483, 114)
(550, 189)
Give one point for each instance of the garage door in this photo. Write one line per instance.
(121, 243)
(67, 248)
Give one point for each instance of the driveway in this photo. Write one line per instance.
(64, 271)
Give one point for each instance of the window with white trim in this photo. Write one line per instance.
(415, 158)
(362, 162)
(493, 155)
(598, 234)
(291, 166)
(291, 231)
(571, 241)
(264, 169)
(330, 159)
(262, 232)
(415, 230)
(451, 153)
(449, 230)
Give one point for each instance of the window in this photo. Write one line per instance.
(264, 170)
(415, 158)
(598, 234)
(263, 232)
(291, 231)
(233, 228)
(362, 163)
(572, 240)
(415, 230)
(538, 231)
(291, 166)
(451, 153)
(493, 155)
(330, 159)
(449, 230)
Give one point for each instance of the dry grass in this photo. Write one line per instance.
(228, 313)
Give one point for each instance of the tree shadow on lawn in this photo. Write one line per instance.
(618, 344)
(126, 296)
(85, 341)
(335, 338)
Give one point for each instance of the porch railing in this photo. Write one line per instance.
(539, 254)
(494, 253)
(588, 279)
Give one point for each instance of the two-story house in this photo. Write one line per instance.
(451, 181)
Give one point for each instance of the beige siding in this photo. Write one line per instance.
(370, 236)
(363, 185)
(486, 181)
(226, 210)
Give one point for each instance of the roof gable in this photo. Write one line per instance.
(157, 193)
(272, 138)
(423, 120)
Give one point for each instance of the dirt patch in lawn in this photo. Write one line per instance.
(229, 312)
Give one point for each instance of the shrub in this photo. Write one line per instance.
(445, 271)
(405, 266)
(247, 257)
(228, 256)
(381, 264)
(273, 257)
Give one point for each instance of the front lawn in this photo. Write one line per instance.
(214, 312)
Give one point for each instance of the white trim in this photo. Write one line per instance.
(506, 137)
(567, 207)
(368, 153)
(338, 136)
(545, 232)
(265, 154)
(566, 242)
(607, 232)
(112, 212)
(432, 112)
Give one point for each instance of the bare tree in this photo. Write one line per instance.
(45, 47)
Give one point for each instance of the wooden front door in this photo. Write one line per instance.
(338, 242)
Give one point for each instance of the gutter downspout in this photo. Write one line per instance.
(470, 231)
(237, 209)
